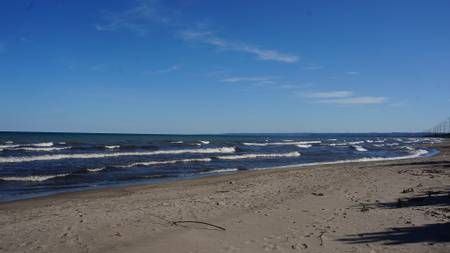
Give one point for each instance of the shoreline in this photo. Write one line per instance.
(136, 218)
(418, 154)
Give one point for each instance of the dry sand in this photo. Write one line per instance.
(391, 206)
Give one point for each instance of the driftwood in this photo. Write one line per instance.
(321, 237)
(178, 223)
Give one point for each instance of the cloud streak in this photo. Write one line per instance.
(354, 101)
(136, 19)
(343, 98)
(208, 37)
(329, 94)
(140, 17)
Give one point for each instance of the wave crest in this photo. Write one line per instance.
(280, 143)
(43, 144)
(165, 162)
(250, 156)
(33, 178)
(106, 155)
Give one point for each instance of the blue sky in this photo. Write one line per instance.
(154, 66)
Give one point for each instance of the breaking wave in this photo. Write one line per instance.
(219, 171)
(96, 169)
(43, 144)
(112, 147)
(250, 156)
(413, 154)
(165, 162)
(359, 148)
(280, 143)
(49, 149)
(106, 155)
(33, 178)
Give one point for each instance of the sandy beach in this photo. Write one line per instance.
(389, 206)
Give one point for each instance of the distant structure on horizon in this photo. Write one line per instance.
(441, 129)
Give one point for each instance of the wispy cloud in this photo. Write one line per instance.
(354, 100)
(140, 17)
(165, 70)
(209, 38)
(136, 19)
(342, 98)
(237, 79)
(329, 94)
(352, 73)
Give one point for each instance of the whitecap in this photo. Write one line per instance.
(205, 142)
(304, 145)
(176, 142)
(96, 169)
(43, 144)
(251, 156)
(165, 162)
(338, 144)
(40, 149)
(219, 171)
(9, 142)
(9, 146)
(355, 142)
(280, 143)
(33, 178)
(112, 146)
(392, 144)
(413, 154)
(359, 148)
(105, 155)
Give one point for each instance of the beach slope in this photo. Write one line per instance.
(390, 206)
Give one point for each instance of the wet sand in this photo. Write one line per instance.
(390, 206)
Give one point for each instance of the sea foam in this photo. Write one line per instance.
(106, 155)
(280, 143)
(359, 148)
(40, 149)
(219, 171)
(96, 169)
(43, 144)
(33, 178)
(250, 156)
(112, 146)
(413, 154)
(165, 162)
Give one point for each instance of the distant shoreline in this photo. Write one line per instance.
(382, 134)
